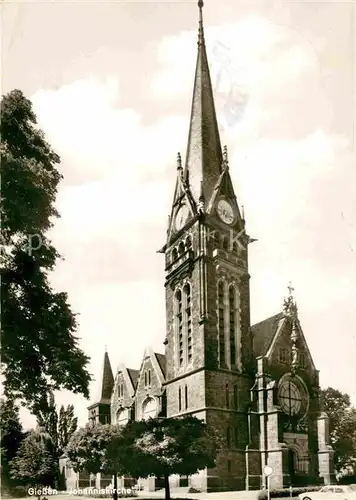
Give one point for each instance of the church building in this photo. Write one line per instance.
(256, 383)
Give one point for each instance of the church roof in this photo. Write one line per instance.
(204, 154)
(106, 382)
(133, 374)
(263, 334)
(161, 358)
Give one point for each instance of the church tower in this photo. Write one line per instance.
(209, 358)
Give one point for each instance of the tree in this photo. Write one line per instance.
(59, 426)
(342, 426)
(11, 435)
(33, 463)
(40, 351)
(67, 425)
(162, 447)
(99, 448)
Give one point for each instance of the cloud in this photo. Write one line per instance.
(294, 176)
(95, 138)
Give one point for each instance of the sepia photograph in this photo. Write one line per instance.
(178, 249)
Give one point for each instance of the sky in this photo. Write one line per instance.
(111, 85)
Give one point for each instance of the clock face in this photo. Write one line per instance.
(225, 212)
(181, 217)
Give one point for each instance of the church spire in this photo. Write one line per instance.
(204, 155)
(106, 381)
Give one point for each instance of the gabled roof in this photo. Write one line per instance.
(263, 334)
(161, 358)
(133, 374)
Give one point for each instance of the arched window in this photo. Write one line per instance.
(145, 379)
(149, 409)
(149, 377)
(188, 313)
(226, 243)
(232, 310)
(174, 254)
(181, 248)
(227, 396)
(122, 417)
(188, 243)
(221, 323)
(179, 322)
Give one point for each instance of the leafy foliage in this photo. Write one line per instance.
(40, 351)
(11, 437)
(342, 425)
(33, 463)
(162, 447)
(59, 426)
(99, 448)
(159, 447)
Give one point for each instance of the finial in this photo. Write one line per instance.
(290, 307)
(201, 27)
(179, 162)
(225, 158)
(243, 212)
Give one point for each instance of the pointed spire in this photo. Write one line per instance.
(204, 154)
(201, 40)
(225, 159)
(106, 381)
(179, 162)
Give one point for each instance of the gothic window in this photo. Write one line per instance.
(174, 254)
(290, 398)
(226, 243)
(179, 322)
(149, 377)
(221, 323)
(186, 396)
(145, 379)
(181, 248)
(227, 396)
(149, 409)
(232, 310)
(283, 355)
(236, 397)
(188, 312)
(302, 359)
(122, 416)
(179, 399)
(121, 390)
(188, 242)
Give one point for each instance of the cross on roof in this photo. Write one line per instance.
(290, 288)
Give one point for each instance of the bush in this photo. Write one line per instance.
(193, 490)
